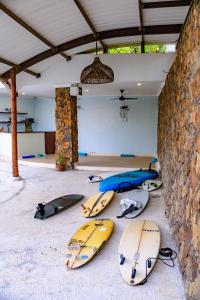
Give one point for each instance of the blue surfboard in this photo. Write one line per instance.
(125, 180)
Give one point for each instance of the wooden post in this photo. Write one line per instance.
(14, 123)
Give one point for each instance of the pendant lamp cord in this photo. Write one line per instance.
(96, 48)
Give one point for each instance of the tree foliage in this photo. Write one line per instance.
(137, 49)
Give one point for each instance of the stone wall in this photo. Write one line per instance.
(66, 126)
(179, 150)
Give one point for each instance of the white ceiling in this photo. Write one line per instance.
(150, 88)
(129, 69)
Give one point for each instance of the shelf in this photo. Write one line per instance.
(8, 122)
(9, 112)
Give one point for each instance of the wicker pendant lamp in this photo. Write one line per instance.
(97, 73)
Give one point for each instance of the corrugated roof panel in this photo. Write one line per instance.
(57, 20)
(164, 38)
(16, 43)
(60, 21)
(47, 63)
(164, 16)
(112, 14)
(3, 68)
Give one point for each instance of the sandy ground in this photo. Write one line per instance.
(32, 251)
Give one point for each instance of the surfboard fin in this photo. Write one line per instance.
(149, 263)
(133, 273)
(150, 170)
(122, 259)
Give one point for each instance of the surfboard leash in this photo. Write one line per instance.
(168, 254)
(131, 208)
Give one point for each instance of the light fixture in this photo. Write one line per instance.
(124, 112)
(23, 93)
(86, 90)
(139, 84)
(97, 73)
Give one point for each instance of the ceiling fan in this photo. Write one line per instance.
(124, 108)
(122, 97)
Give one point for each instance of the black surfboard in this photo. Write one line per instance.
(45, 210)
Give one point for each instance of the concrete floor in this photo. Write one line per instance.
(32, 251)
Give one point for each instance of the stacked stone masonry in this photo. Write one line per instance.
(66, 127)
(179, 150)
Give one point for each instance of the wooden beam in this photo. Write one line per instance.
(12, 15)
(15, 66)
(87, 19)
(13, 94)
(141, 26)
(131, 31)
(162, 4)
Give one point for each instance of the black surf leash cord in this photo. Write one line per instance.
(168, 253)
(131, 208)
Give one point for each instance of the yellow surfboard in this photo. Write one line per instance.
(86, 242)
(138, 250)
(95, 204)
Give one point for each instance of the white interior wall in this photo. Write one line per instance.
(24, 104)
(101, 129)
(45, 114)
(5, 144)
(30, 143)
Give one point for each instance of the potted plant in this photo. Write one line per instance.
(61, 163)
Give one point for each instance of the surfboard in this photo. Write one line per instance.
(124, 181)
(140, 241)
(45, 210)
(151, 185)
(138, 197)
(87, 241)
(95, 204)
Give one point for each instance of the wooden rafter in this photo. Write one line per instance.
(141, 26)
(162, 4)
(15, 66)
(87, 19)
(121, 32)
(12, 15)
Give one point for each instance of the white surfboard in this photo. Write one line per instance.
(151, 185)
(141, 198)
(140, 242)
